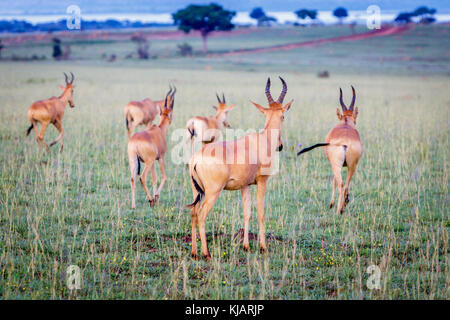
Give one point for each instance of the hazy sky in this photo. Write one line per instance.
(163, 6)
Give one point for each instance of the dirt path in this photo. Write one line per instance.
(386, 31)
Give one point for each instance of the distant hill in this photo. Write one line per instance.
(35, 7)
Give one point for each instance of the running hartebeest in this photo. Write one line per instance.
(148, 146)
(343, 148)
(142, 112)
(207, 129)
(51, 111)
(236, 165)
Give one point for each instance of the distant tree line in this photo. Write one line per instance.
(18, 26)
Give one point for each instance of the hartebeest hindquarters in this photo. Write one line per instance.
(51, 111)
(148, 146)
(143, 112)
(343, 148)
(236, 165)
(207, 129)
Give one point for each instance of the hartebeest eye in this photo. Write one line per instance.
(282, 118)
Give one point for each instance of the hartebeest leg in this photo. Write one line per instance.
(41, 135)
(261, 194)
(351, 171)
(334, 185)
(337, 172)
(144, 184)
(163, 178)
(60, 137)
(133, 170)
(202, 213)
(36, 133)
(154, 179)
(246, 205)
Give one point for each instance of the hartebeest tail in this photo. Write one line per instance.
(214, 168)
(143, 112)
(149, 146)
(343, 148)
(51, 111)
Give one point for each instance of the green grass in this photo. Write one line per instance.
(75, 207)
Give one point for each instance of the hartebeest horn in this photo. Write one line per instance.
(173, 93)
(65, 76)
(218, 98)
(223, 97)
(269, 96)
(344, 108)
(353, 99)
(283, 92)
(73, 78)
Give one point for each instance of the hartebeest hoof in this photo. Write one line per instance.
(207, 257)
(346, 199)
(331, 205)
(152, 202)
(246, 248)
(156, 198)
(194, 256)
(263, 250)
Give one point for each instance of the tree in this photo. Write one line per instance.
(1, 48)
(340, 13)
(305, 13)
(204, 18)
(403, 17)
(142, 46)
(257, 13)
(57, 52)
(425, 14)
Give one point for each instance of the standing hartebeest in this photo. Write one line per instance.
(148, 146)
(207, 129)
(142, 112)
(51, 111)
(236, 165)
(343, 148)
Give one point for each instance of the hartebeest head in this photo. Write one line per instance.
(349, 112)
(166, 110)
(275, 113)
(222, 110)
(68, 89)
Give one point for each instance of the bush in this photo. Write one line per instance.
(185, 49)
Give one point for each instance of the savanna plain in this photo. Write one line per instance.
(74, 208)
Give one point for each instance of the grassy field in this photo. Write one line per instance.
(58, 209)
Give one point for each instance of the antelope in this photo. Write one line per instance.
(217, 167)
(148, 146)
(207, 129)
(51, 111)
(343, 148)
(142, 112)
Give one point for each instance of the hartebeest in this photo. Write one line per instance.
(343, 148)
(51, 111)
(148, 146)
(207, 129)
(236, 165)
(142, 112)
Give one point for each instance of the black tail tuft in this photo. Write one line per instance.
(29, 129)
(139, 165)
(191, 132)
(312, 147)
(200, 194)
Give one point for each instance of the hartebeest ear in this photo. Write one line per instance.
(338, 113)
(62, 87)
(215, 108)
(355, 113)
(287, 106)
(230, 107)
(260, 107)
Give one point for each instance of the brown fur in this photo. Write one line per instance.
(211, 172)
(51, 111)
(148, 146)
